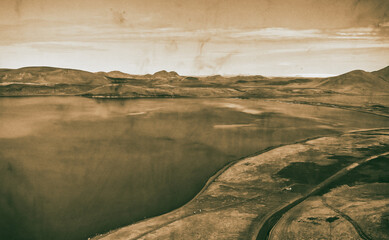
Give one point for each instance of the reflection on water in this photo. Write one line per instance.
(74, 167)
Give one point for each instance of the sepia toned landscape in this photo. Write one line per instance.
(248, 156)
(194, 119)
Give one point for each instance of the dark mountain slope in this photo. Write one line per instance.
(356, 82)
(382, 73)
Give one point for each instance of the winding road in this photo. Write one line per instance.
(266, 225)
(359, 230)
(244, 200)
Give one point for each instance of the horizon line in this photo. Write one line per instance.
(304, 75)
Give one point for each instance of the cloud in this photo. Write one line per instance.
(383, 24)
(212, 62)
(171, 45)
(118, 16)
(202, 43)
(278, 33)
(383, 29)
(17, 7)
(205, 51)
(63, 46)
(221, 61)
(120, 30)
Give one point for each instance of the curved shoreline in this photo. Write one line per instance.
(332, 105)
(319, 104)
(255, 226)
(211, 180)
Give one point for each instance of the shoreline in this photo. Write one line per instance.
(255, 230)
(297, 102)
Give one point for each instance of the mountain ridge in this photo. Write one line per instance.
(28, 81)
(358, 81)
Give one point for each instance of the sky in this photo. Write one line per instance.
(202, 37)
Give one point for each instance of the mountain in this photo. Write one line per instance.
(165, 74)
(50, 76)
(118, 74)
(383, 73)
(357, 82)
(37, 81)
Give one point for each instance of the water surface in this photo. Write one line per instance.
(73, 167)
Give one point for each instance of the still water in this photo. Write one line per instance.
(74, 167)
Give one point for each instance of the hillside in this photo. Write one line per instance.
(165, 74)
(118, 74)
(357, 82)
(383, 73)
(131, 91)
(50, 76)
(37, 81)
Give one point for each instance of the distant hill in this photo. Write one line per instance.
(357, 82)
(118, 74)
(34, 81)
(50, 76)
(165, 74)
(245, 79)
(130, 91)
(383, 73)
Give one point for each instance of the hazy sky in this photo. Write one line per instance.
(202, 37)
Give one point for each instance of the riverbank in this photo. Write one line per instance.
(234, 202)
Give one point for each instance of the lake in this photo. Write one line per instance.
(73, 167)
